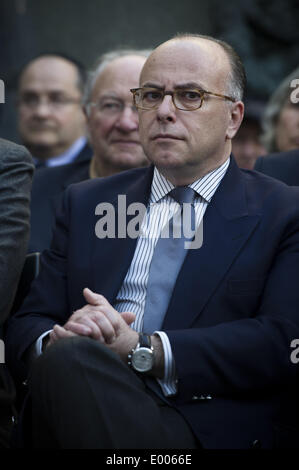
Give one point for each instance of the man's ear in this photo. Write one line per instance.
(236, 118)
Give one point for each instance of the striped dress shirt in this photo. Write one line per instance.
(161, 208)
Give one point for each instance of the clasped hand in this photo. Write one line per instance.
(100, 321)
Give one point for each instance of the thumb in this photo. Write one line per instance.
(92, 298)
(129, 317)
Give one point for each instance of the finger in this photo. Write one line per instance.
(93, 298)
(83, 312)
(112, 315)
(107, 329)
(61, 332)
(78, 328)
(95, 330)
(129, 317)
(52, 339)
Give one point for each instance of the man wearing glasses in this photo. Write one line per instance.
(50, 118)
(112, 125)
(169, 347)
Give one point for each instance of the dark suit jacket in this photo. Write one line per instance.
(233, 311)
(47, 189)
(16, 169)
(283, 166)
(84, 155)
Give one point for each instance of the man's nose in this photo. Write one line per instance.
(42, 108)
(127, 120)
(166, 110)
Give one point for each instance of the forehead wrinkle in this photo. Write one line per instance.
(179, 86)
(201, 49)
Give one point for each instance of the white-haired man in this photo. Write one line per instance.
(112, 123)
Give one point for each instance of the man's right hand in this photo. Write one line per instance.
(97, 319)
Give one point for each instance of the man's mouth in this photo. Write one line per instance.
(166, 137)
(125, 142)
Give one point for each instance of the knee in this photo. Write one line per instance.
(58, 358)
(68, 354)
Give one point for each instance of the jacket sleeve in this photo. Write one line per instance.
(247, 355)
(16, 170)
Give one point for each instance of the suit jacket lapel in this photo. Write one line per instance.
(227, 225)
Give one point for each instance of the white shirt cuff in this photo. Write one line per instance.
(169, 383)
(39, 343)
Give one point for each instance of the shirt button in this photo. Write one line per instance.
(201, 397)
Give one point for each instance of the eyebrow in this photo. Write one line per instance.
(179, 86)
(110, 95)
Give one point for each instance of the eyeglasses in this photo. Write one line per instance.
(184, 98)
(110, 107)
(54, 103)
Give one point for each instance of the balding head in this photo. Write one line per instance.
(236, 78)
(187, 116)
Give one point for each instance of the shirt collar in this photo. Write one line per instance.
(68, 156)
(205, 186)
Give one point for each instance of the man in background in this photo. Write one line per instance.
(246, 145)
(50, 118)
(112, 123)
(281, 133)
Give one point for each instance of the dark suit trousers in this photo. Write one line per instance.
(85, 397)
(7, 397)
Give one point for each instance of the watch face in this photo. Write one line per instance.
(142, 359)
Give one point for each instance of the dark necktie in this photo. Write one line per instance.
(168, 257)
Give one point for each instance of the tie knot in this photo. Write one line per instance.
(183, 194)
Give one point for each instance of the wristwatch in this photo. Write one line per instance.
(141, 358)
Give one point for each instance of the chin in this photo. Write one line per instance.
(127, 162)
(40, 139)
(167, 160)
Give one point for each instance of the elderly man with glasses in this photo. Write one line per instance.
(154, 341)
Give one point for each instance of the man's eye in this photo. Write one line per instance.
(152, 96)
(58, 99)
(29, 99)
(189, 95)
(110, 105)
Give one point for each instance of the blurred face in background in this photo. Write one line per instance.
(246, 146)
(287, 127)
(112, 119)
(49, 105)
